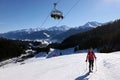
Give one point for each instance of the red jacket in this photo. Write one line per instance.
(90, 56)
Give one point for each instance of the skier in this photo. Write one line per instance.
(90, 58)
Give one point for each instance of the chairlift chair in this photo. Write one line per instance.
(56, 14)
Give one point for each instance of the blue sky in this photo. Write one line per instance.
(24, 14)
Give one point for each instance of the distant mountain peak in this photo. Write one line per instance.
(60, 28)
(92, 24)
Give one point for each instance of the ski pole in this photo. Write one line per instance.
(96, 64)
(86, 65)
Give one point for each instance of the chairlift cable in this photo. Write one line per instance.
(65, 15)
(47, 17)
(69, 11)
(45, 21)
(72, 7)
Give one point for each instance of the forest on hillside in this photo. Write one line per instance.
(105, 38)
(10, 49)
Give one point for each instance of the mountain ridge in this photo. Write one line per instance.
(105, 38)
(51, 33)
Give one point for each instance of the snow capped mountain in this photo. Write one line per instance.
(30, 30)
(72, 31)
(93, 24)
(55, 33)
(35, 33)
(60, 28)
(54, 28)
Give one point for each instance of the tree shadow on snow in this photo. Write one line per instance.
(83, 77)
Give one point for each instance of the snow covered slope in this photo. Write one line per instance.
(67, 67)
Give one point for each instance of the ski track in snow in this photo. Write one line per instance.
(67, 67)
